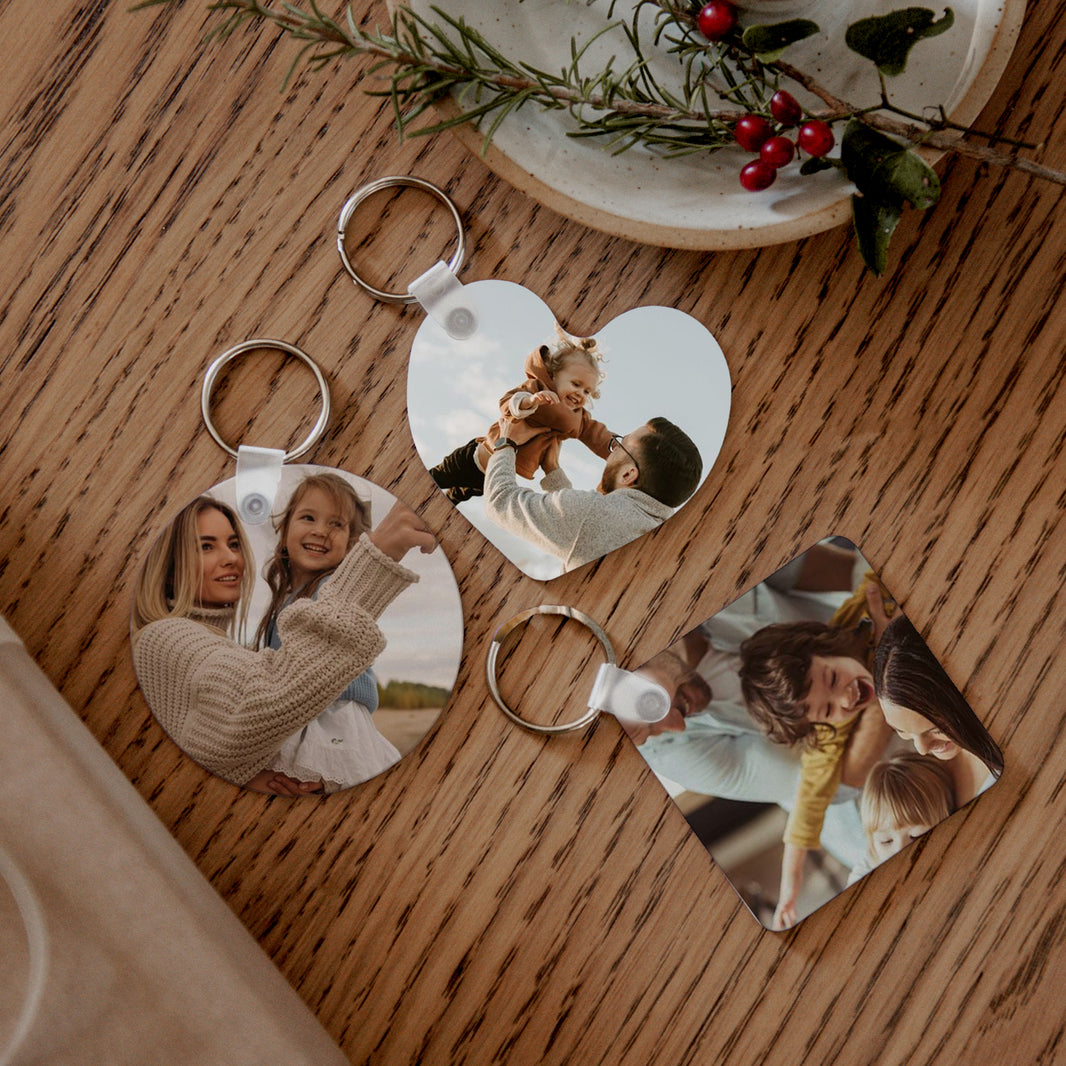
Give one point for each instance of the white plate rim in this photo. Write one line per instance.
(642, 231)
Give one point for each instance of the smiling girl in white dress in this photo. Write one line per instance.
(341, 747)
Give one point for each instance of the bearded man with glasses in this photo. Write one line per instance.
(647, 475)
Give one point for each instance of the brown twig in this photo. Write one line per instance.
(916, 135)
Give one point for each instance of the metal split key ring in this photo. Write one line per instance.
(496, 646)
(317, 430)
(349, 209)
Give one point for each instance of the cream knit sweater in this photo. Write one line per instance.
(230, 707)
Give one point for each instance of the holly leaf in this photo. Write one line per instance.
(770, 42)
(875, 222)
(816, 164)
(887, 39)
(886, 170)
(913, 178)
(887, 175)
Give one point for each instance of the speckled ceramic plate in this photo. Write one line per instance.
(697, 201)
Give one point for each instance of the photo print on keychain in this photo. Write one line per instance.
(303, 654)
(812, 734)
(561, 448)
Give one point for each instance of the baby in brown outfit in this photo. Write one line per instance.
(561, 378)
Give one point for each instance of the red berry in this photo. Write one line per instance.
(752, 132)
(757, 175)
(777, 152)
(716, 19)
(785, 108)
(815, 138)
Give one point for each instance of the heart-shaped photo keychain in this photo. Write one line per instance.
(558, 448)
(296, 629)
(612, 432)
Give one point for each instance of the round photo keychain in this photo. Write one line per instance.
(296, 629)
(559, 448)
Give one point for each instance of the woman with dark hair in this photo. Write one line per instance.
(923, 706)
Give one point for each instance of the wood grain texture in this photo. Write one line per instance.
(497, 897)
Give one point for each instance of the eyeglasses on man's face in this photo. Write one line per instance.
(616, 442)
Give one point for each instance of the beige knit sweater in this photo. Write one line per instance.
(230, 707)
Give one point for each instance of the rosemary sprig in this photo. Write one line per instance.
(425, 63)
(627, 107)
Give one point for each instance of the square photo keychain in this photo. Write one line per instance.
(806, 731)
(812, 734)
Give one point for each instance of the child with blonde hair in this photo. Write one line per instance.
(323, 519)
(903, 798)
(561, 378)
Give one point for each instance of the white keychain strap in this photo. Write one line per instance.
(447, 301)
(258, 478)
(628, 696)
(259, 469)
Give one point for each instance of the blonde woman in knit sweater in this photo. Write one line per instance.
(231, 707)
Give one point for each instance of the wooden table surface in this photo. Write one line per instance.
(497, 897)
